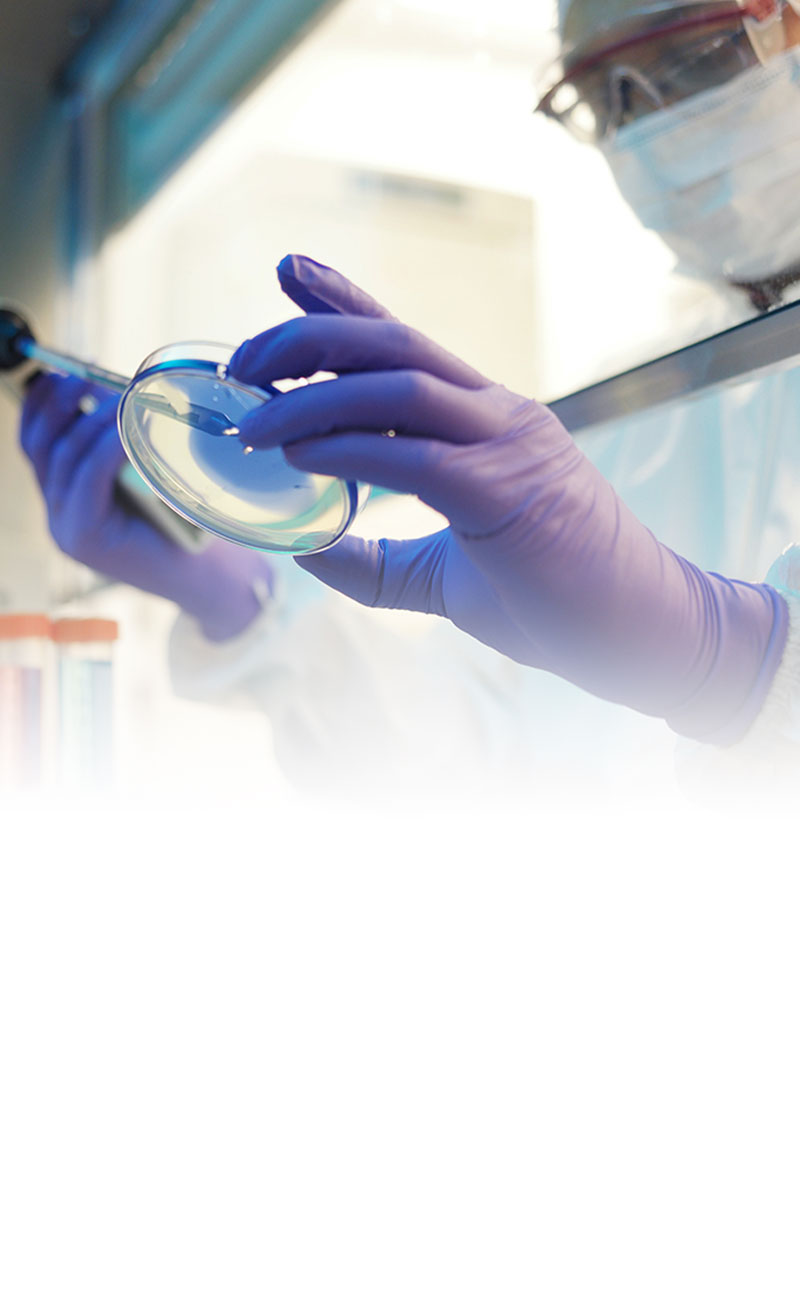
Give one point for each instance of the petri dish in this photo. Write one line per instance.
(173, 419)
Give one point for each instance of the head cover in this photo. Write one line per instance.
(716, 175)
(581, 21)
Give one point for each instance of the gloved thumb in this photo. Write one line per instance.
(318, 289)
(399, 573)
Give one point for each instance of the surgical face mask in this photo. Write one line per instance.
(717, 176)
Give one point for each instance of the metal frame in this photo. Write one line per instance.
(758, 346)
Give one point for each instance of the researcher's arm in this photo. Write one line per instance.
(541, 560)
(76, 458)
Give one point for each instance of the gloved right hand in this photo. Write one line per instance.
(76, 457)
(541, 559)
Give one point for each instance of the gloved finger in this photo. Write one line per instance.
(37, 390)
(299, 348)
(319, 289)
(397, 573)
(400, 401)
(51, 391)
(52, 405)
(76, 441)
(45, 389)
(91, 490)
(422, 466)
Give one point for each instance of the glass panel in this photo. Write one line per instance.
(186, 85)
(716, 477)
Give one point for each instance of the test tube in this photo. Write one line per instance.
(25, 646)
(84, 654)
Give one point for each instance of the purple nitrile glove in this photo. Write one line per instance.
(541, 560)
(76, 458)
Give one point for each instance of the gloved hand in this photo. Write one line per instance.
(541, 560)
(76, 458)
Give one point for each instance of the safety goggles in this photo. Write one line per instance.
(666, 61)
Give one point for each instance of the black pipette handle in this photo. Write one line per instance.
(13, 328)
(14, 331)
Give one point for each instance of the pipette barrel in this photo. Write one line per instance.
(94, 374)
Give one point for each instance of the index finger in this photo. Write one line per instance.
(318, 289)
(404, 401)
(342, 344)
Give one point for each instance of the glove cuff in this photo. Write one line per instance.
(751, 623)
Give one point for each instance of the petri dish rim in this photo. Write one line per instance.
(205, 368)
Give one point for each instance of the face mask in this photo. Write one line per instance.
(718, 175)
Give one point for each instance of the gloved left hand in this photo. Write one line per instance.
(541, 559)
(76, 457)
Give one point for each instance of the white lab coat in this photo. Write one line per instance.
(355, 696)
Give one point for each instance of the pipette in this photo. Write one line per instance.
(17, 345)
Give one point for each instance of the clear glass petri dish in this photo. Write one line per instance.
(173, 419)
